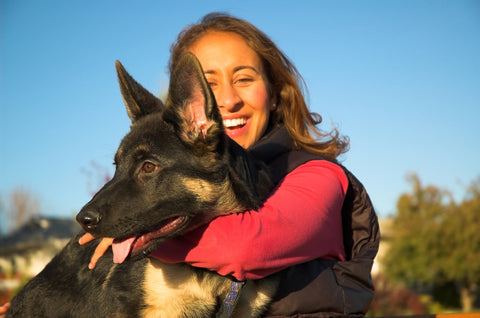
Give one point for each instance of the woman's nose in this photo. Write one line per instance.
(227, 97)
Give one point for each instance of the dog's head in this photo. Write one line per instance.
(172, 168)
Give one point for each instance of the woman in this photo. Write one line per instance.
(318, 226)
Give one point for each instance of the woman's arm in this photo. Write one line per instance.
(299, 222)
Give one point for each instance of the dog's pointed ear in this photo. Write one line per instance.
(138, 100)
(191, 102)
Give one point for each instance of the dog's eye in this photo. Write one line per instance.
(148, 167)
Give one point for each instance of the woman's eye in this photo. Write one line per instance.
(244, 80)
(148, 167)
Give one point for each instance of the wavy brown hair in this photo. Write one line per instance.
(285, 83)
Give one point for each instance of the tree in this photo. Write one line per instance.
(23, 206)
(461, 239)
(435, 240)
(2, 217)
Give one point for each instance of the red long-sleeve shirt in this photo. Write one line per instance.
(299, 222)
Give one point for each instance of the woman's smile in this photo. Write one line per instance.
(236, 127)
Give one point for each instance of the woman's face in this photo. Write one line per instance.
(236, 76)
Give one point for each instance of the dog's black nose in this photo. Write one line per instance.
(88, 219)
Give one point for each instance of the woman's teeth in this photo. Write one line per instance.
(229, 123)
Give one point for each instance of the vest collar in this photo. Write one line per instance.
(275, 142)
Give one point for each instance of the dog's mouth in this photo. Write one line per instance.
(136, 244)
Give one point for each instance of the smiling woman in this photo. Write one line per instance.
(273, 84)
(331, 225)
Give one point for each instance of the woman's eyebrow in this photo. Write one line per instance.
(242, 67)
(236, 69)
(209, 72)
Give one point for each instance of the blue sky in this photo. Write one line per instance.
(400, 78)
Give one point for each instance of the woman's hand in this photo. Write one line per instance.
(4, 309)
(99, 251)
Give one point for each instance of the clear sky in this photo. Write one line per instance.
(400, 78)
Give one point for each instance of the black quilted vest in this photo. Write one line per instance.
(325, 288)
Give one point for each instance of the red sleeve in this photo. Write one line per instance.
(299, 222)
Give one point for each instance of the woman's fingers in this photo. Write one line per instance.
(87, 237)
(100, 250)
(4, 309)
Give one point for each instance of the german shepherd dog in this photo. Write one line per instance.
(175, 170)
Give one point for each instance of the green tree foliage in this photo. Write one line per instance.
(461, 239)
(436, 240)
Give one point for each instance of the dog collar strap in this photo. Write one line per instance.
(231, 299)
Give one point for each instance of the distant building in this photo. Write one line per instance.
(25, 252)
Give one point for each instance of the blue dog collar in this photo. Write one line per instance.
(231, 299)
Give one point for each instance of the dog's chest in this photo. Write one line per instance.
(179, 290)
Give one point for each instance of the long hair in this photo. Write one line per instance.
(285, 83)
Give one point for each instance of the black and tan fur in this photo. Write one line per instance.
(175, 170)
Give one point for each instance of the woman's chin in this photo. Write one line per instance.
(238, 134)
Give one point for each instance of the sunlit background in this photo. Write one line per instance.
(400, 78)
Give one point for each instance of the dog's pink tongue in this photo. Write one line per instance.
(122, 249)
